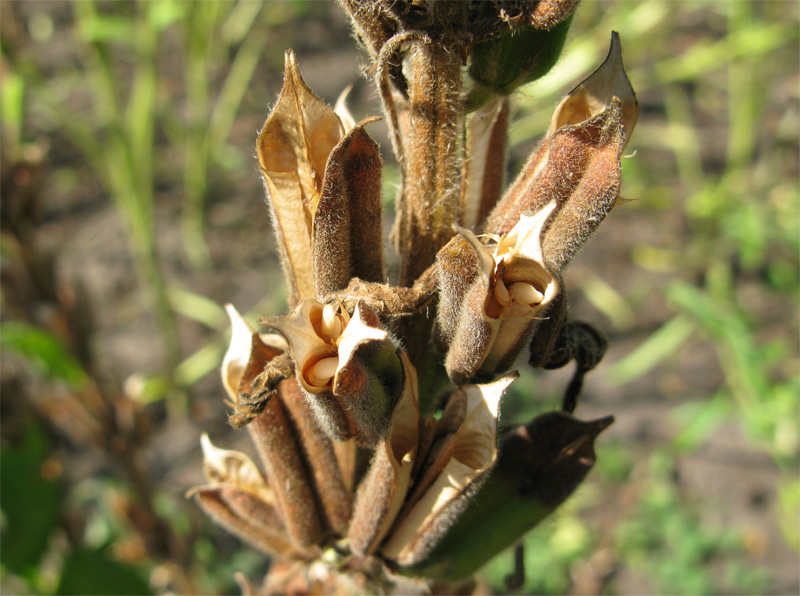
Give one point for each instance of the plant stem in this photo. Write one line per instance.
(433, 155)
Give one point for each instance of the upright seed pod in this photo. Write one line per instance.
(383, 490)
(577, 164)
(463, 450)
(348, 367)
(540, 466)
(347, 230)
(497, 311)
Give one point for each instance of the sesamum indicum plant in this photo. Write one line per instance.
(374, 404)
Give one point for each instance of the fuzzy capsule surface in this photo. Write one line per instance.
(348, 367)
(497, 311)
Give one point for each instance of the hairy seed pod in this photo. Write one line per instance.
(463, 451)
(539, 467)
(347, 230)
(383, 490)
(352, 378)
(578, 163)
(239, 498)
(293, 148)
(497, 313)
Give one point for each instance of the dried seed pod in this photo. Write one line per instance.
(347, 230)
(458, 266)
(293, 149)
(287, 472)
(578, 163)
(273, 436)
(320, 455)
(463, 450)
(485, 162)
(239, 498)
(497, 313)
(225, 467)
(353, 378)
(270, 541)
(382, 491)
(539, 467)
(246, 355)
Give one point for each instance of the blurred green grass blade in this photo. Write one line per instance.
(151, 389)
(198, 365)
(240, 21)
(233, 90)
(44, 351)
(140, 118)
(697, 420)
(789, 498)
(751, 43)
(682, 136)
(732, 337)
(199, 32)
(197, 307)
(12, 93)
(655, 349)
(608, 301)
(100, 28)
(164, 13)
(743, 108)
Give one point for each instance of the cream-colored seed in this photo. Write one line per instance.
(336, 330)
(501, 293)
(525, 293)
(322, 372)
(328, 319)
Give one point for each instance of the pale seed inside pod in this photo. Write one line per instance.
(525, 293)
(331, 323)
(322, 371)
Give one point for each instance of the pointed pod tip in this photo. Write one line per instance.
(238, 324)
(615, 46)
(605, 86)
(599, 425)
(208, 448)
(494, 391)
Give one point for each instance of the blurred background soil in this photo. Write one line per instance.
(694, 281)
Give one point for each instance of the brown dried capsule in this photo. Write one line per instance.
(497, 311)
(348, 367)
